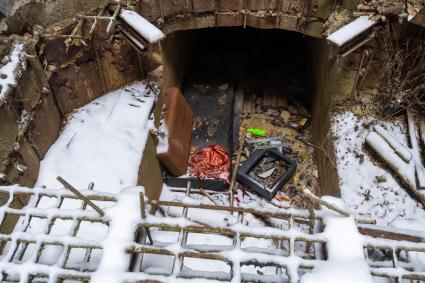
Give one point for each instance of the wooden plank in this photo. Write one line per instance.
(282, 94)
(249, 103)
(375, 232)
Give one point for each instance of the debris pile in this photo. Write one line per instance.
(210, 162)
(289, 131)
(273, 143)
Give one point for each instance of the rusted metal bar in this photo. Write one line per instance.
(358, 45)
(281, 214)
(375, 232)
(113, 19)
(81, 196)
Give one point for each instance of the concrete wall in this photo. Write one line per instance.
(23, 145)
(175, 50)
(49, 91)
(323, 90)
(296, 15)
(26, 13)
(5, 6)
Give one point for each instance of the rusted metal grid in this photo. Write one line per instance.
(26, 255)
(396, 260)
(297, 248)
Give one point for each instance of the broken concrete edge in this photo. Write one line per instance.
(24, 14)
(37, 107)
(168, 62)
(21, 109)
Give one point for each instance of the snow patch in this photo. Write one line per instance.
(346, 262)
(162, 146)
(10, 72)
(350, 31)
(368, 189)
(124, 218)
(142, 26)
(103, 142)
(407, 170)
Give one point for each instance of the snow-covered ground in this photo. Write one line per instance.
(367, 187)
(102, 142)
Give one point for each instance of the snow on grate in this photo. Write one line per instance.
(236, 261)
(130, 244)
(45, 245)
(284, 253)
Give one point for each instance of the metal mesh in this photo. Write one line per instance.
(297, 242)
(39, 249)
(290, 239)
(296, 249)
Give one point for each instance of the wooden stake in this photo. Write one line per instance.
(354, 91)
(236, 166)
(80, 196)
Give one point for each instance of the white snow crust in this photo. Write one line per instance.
(385, 201)
(102, 142)
(142, 26)
(350, 31)
(346, 262)
(10, 72)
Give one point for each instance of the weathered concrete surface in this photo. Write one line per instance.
(45, 126)
(26, 13)
(8, 133)
(30, 121)
(322, 89)
(303, 16)
(82, 74)
(25, 165)
(5, 6)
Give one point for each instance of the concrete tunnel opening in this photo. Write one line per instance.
(82, 193)
(271, 79)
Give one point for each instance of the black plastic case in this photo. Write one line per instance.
(253, 160)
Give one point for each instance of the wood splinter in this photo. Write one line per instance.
(73, 190)
(205, 193)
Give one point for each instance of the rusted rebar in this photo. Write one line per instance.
(80, 195)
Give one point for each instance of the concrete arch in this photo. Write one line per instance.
(304, 16)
